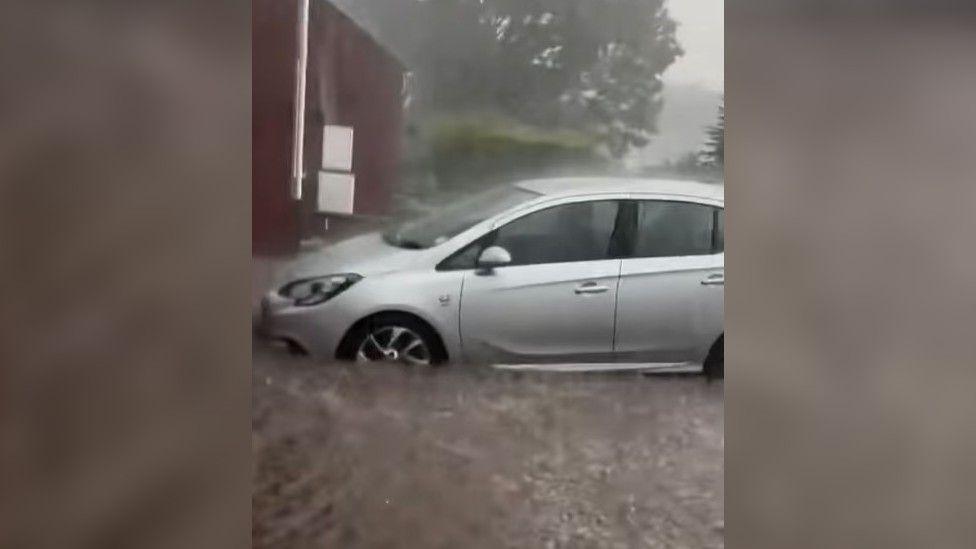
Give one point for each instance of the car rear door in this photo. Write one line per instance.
(671, 292)
(555, 301)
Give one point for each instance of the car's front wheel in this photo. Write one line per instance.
(394, 338)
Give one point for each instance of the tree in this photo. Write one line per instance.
(589, 65)
(714, 152)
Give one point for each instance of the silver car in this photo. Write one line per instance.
(586, 273)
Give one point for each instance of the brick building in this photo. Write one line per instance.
(344, 136)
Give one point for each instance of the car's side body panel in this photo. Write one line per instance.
(670, 309)
(664, 312)
(540, 313)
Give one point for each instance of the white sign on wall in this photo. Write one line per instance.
(337, 148)
(336, 192)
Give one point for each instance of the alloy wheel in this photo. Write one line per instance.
(394, 344)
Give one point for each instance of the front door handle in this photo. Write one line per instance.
(590, 288)
(717, 279)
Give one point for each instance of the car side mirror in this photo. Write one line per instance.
(491, 257)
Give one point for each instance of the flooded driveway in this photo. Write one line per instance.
(475, 457)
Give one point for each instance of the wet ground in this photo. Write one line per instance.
(474, 457)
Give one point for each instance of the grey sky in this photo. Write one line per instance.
(701, 31)
(693, 85)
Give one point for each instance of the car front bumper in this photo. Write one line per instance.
(312, 329)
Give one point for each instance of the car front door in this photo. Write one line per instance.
(555, 301)
(671, 294)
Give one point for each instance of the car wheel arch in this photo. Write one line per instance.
(345, 349)
(714, 363)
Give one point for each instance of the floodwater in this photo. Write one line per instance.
(463, 456)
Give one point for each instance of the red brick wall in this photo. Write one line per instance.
(274, 216)
(352, 81)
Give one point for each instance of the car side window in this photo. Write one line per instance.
(672, 229)
(581, 231)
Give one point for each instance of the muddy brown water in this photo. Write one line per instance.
(467, 456)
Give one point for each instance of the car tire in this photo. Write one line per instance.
(715, 362)
(392, 334)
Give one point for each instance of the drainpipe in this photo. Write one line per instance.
(298, 147)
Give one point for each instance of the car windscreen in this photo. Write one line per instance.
(444, 224)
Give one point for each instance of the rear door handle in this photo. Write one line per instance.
(717, 279)
(590, 288)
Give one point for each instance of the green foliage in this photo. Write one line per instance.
(714, 151)
(591, 65)
(475, 150)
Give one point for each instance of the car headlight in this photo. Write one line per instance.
(313, 291)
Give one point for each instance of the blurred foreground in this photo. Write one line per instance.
(473, 457)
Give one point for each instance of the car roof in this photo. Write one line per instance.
(567, 186)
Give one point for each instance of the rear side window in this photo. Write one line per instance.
(673, 229)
